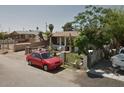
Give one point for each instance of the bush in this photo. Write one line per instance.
(73, 60)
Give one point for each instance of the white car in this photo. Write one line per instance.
(118, 60)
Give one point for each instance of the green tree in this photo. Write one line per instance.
(93, 30)
(1, 35)
(41, 36)
(47, 35)
(68, 27)
(115, 22)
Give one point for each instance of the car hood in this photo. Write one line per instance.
(119, 56)
(53, 60)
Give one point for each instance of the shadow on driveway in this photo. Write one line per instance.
(94, 75)
(121, 72)
(57, 70)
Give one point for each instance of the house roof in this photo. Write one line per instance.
(25, 32)
(66, 34)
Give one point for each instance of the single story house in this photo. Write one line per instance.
(64, 40)
(24, 36)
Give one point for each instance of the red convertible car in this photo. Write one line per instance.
(44, 59)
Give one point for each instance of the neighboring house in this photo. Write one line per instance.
(25, 36)
(64, 40)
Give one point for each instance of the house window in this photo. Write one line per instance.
(62, 40)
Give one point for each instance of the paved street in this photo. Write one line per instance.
(14, 71)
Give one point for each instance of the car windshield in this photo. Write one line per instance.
(46, 55)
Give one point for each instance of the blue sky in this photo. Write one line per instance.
(31, 16)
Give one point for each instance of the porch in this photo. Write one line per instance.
(63, 43)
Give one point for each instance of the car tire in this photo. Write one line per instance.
(45, 68)
(29, 63)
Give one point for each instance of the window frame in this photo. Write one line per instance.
(36, 55)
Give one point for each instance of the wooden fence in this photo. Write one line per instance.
(94, 57)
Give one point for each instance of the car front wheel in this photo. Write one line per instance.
(45, 67)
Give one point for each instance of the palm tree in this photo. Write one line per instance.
(51, 27)
(37, 28)
(41, 36)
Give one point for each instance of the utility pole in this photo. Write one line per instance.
(3, 36)
(8, 39)
(3, 39)
(46, 26)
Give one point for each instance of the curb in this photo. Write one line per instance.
(107, 75)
